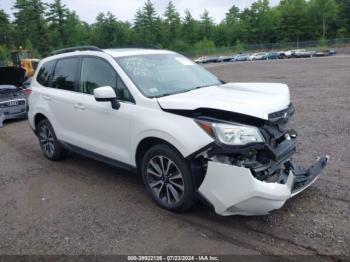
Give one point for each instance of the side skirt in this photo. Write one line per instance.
(100, 158)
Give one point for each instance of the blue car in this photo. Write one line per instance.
(273, 56)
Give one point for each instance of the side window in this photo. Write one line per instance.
(97, 73)
(65, 74)
(45, 73)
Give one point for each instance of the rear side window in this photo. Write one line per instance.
(45, 73)
(65, 74)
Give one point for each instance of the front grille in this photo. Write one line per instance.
(12, 103)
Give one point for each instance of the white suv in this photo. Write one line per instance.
(189, 134)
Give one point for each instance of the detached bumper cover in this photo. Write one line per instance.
(234, 190)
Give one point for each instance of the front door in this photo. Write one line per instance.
(102, 129)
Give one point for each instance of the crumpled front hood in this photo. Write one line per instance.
(253, 99)
(12, 76)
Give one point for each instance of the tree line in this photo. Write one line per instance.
(43, 27)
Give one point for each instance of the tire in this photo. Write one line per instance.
(51, 147)
(170, 184)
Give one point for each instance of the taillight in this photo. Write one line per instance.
(27, 92)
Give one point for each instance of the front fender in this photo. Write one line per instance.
(181, 132)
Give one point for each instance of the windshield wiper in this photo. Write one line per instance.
(162, 95)
(199, 87)
(181, 92)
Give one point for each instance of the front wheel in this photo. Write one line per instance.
(167, 178)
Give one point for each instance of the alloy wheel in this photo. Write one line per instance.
(165, 180)
(47, 140)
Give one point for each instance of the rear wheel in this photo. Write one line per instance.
(167, 178)
(52, 149)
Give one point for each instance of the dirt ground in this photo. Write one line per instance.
(80, 206)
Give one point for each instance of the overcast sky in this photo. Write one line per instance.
(125, 9)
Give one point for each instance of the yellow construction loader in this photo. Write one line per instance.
(25, 60)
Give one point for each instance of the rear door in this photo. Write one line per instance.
(63, 98)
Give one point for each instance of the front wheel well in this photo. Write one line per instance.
(145, 145)
(198, 166)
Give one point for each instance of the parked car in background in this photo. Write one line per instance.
(258, 56)
(211, 59)
(222, 59)
(273, 55)
(242, 57)
(281, 54)
(288, 54)
(329, 52)
(310, 53)
(200, 60)
(13, 102)
(233, 57)
(293, 53)
(302, 53)
(332, 52)
(298, 53)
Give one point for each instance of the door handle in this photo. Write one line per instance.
(47, 98)
(79, 106)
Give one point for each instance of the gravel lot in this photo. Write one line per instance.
(80, 206)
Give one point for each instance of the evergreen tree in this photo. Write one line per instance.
(258, 19)
(77, 32)
(147, 24)
(344, 14)
(293, 22)
(172, 24)
(323, 13)
(4, 28)
(189, 29)
(109, 32)
(206, 26)
(234, 26)
(30, 25)
(57, 16)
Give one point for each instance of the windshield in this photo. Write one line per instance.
(160, 75)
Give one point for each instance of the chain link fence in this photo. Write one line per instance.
(241, 48)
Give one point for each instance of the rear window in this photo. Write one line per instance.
(45, 73)
(65, 74)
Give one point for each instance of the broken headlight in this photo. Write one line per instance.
(232, 134)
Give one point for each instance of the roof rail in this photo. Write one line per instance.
(143, 46)
(77, 48)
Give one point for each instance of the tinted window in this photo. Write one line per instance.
(45, 73)
(65, 74)
(97, 73)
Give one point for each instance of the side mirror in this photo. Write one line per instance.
(106, 94)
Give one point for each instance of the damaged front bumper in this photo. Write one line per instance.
(233, 190)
